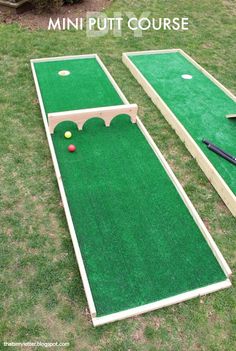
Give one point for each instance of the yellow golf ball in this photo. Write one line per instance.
(68, 135)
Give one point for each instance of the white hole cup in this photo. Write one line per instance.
(187, 76)
(64, 73)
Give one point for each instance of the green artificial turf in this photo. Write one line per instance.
(137, 238)
(85, 87)
(198, 103)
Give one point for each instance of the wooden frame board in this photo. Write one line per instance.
(153, 306)
(215, 178)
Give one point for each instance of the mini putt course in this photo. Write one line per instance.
(197, 106)
(139, 242)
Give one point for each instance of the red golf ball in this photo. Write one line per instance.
(71, 148)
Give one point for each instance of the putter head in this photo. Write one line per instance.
(207, 142)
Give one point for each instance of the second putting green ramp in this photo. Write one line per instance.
(196, 105)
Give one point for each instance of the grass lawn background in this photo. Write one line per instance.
(41, 291)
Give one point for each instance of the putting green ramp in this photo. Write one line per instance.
(139, 243)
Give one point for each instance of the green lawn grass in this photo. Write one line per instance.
(41, 291)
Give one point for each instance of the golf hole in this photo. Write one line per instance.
(187, 76)
(64, 73)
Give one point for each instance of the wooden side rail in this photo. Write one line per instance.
(81, 116)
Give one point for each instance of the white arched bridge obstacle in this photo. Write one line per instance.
(81, 116)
